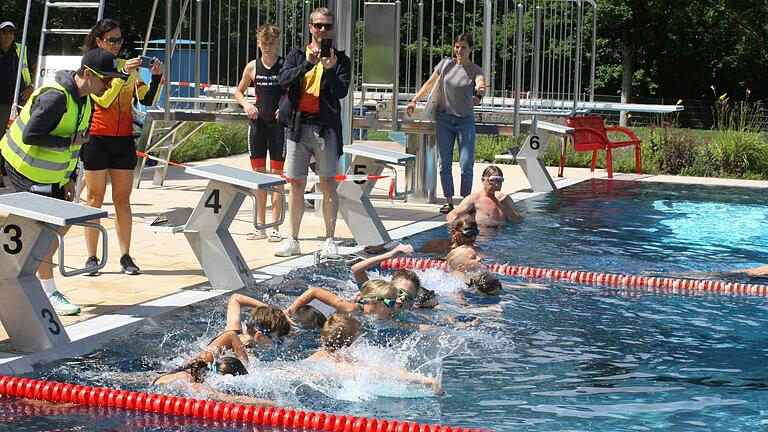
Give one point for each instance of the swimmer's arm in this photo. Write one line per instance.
(359, 269)
(404, 375)
(467, 205)
(507, 205)
(234, 306)
(226, 397)
(757, 271)
(323, 296)
(227, 340)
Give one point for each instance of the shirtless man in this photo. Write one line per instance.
(491, 207)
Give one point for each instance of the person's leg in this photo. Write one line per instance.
(97, 185)
(257, 151)
(276, 164)
(467, 136)
(296, 204)
(445, 137)
(327, 157)
(122, 186)
(297, 159)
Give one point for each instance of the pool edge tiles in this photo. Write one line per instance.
(89, 334)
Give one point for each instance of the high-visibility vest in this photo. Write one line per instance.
(47, 165)
(24, 65)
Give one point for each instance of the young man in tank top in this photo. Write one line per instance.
(265, 134)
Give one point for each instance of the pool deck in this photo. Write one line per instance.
(171, 276)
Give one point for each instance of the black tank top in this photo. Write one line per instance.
(268, 91)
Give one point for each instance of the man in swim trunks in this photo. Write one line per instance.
(490, 206)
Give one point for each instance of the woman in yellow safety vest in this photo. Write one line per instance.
(111, 150)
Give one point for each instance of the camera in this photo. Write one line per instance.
(147, 62)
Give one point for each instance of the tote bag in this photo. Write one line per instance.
(435, 95)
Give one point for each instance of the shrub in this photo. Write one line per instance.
(671, 149)
(739, 153)
(212, 140)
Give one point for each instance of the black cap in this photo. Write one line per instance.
(103, 63)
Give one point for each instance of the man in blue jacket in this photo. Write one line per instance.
(312, 113)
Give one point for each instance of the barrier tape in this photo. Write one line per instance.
(207, 409)
(649, 283)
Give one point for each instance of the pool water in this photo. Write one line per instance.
(545, 356)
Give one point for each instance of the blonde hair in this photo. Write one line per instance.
(268, 33)
(377, 288)
(456, 257)
(340, 331)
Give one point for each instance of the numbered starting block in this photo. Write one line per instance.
(354, 197)
(529, 157)
(28, 233)
(207, 226)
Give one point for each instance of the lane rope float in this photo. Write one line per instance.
(647, 283)
(206, 409)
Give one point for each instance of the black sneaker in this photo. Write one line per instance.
(127, 265)
(92, 261)
(446, 208)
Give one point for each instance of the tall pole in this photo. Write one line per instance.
(488, 45)
(344, 38)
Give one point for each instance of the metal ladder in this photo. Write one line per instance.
(53, 4)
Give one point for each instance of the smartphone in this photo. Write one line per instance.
(147, 62)
(325, 47)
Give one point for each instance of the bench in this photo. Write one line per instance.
(529, 155)
(590, 134)
(354, 196)
(28, 233)
(206, 227)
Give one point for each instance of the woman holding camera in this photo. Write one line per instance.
(111, 150)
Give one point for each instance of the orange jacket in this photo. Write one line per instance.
(113, 115)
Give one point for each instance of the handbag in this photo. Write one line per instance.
(435, 95)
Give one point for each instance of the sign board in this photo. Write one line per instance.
(50, 65)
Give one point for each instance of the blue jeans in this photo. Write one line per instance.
(448, 128)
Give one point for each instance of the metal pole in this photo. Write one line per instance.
(151, 23)
(168, 62)
(396, 81)
(344, 40)
(577, 60)
(280, 17)
(594, 51)
(22, 57)
(488, 46)
(419, 48)
(518, 66)
(536, 53)
(198, 48)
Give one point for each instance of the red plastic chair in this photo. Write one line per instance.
(592, 135)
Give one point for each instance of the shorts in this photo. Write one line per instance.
(23, 184)
(109, 152)
(323, 148)
(266, 136)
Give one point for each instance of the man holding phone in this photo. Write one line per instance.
(317, 77)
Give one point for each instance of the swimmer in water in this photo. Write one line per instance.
(490, 206)
(268, 325)
(464, 231)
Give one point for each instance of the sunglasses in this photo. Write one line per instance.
(470, 232)
(495, 179)
(104, 79)
(388, 302)
(323, 26)
(114, 40)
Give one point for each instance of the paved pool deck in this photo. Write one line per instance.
(171, 275)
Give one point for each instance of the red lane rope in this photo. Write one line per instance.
(649, 283)
(207, 409)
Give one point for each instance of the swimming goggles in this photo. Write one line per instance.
(495, 179)
(402, 295)
(470, 232)
(390, 303)
(214, 369)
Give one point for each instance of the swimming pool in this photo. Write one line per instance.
(565, 357)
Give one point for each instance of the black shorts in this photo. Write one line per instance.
(23, 184)
(266, 135)
(108, 152)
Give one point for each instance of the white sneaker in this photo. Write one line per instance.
(62, 306)
(329, 249)
(289, 246)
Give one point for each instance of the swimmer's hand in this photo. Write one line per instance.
(757, 271)
(402, 248)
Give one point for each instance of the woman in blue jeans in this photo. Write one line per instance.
(463, 88)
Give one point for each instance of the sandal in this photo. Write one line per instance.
(446, 208)
(256, 235)
(274, 236)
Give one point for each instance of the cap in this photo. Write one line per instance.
(103, 63)
(5, 24)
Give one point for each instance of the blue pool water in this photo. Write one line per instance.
(546, 356)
